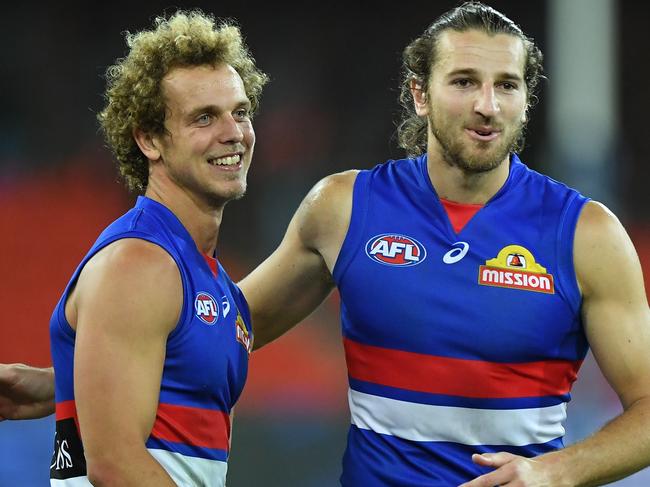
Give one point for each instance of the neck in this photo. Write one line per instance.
(201, 220)
(455, 184)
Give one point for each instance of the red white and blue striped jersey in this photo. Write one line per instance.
(456, 343)
(205, 368)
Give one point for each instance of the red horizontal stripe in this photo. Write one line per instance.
(192, 426)
(459, 377)
(65, 410)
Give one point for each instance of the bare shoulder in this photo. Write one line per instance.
(129, 276)
(604, 256)
(597, 218)
(135, 261)
(328, 193)
(324, 215)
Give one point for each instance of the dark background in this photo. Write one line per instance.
(331, 105)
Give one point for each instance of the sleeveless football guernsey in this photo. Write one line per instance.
(456, 343)
(206, 361)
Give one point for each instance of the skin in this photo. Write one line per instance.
(476, 84)
(129, 295)
(25, 392)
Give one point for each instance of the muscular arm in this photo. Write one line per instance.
(296, 278)
(126, 302)
(617, 322)
(26, 392)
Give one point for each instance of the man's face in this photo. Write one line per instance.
(208, 146)
(476, 99)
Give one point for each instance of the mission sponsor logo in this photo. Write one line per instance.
(395, 250)
(515, 268)
(242, 334)
(206, 308)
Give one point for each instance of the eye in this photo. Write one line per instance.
(204, 119)
(242, 114)
(462, 82)
(509, 86)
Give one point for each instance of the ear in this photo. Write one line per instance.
(419, 98)
(147, 143)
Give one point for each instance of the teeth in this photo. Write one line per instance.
(225, 161)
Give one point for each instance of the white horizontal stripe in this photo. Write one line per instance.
(468, 426)
(185, 471)
(191, 471)
(73, 482)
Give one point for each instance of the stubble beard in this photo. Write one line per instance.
(234, 188)
(486, 156)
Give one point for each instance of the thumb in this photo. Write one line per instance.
(492, 459)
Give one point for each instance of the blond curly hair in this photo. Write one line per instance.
(134, 98)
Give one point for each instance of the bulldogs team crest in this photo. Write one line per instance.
(515, 267)
(395, 250)
(206, 308)
(242, 334)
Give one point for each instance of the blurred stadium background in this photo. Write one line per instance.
(331, 105)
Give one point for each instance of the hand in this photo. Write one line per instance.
(25, 392)
(512, 471)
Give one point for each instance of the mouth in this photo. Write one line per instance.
(484, 134)
(228, 161)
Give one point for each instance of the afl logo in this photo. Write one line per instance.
(395, 250)
(206, 308)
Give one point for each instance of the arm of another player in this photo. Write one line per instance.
(297, 277)
(126, 302)
(617, 322)
(26, 392)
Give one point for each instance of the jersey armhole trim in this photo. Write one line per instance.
(63, 323)
(565, 245)
(358, 213)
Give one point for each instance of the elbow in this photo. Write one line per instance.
(104, 473)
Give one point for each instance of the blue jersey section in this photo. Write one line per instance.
(402, 463)
(500, 294)
(205, 364)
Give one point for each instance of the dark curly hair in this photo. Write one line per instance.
(134, 97)
(419, 58)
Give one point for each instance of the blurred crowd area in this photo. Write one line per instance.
(331, 105)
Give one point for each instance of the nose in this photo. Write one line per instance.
(229, 130)
(486, 102)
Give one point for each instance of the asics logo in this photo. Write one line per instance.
(62, 458)
(456, 254)
(226, 306)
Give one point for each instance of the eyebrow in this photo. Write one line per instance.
(215, 109)
(475, 73)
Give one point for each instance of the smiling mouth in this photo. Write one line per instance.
(483, 135)
(226, 160)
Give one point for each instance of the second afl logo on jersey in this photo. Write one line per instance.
(395, 250)
(206, 308)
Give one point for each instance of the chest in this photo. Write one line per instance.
(489, 292)
(207, 355)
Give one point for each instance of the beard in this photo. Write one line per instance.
(475, 157)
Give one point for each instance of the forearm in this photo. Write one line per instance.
(267, 328)
(275, 309)
(619, 449)
(26, 392)
(42, 381)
